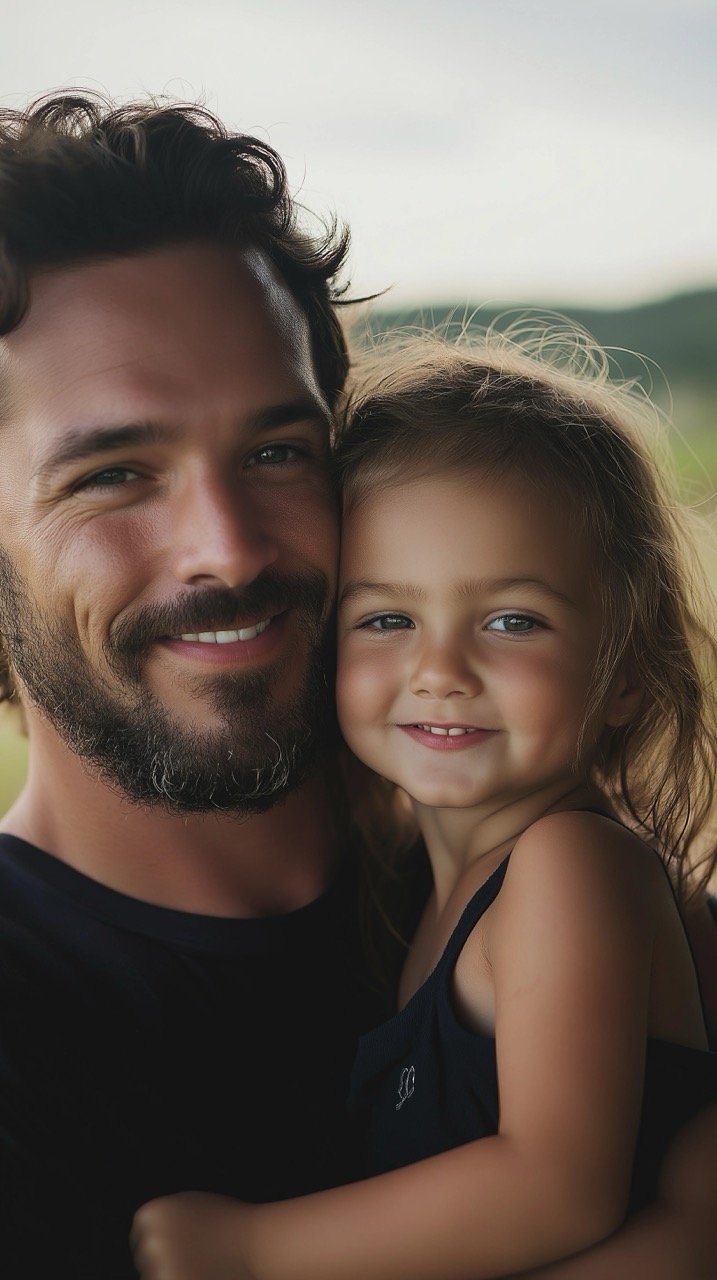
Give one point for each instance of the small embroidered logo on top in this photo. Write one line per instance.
(407, 1085)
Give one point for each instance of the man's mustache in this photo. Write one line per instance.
(222, 608)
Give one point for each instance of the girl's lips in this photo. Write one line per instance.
(447, 741)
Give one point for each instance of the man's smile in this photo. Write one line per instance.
(241, 646)
(226, 637)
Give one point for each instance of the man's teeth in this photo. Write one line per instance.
(444, 733)
(227, 637)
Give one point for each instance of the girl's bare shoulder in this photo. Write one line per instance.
(587, 902)
(589, 862)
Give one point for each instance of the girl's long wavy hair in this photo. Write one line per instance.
(550, 415)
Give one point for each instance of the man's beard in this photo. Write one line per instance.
(260, 750)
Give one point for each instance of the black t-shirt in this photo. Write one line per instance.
(145, 1051)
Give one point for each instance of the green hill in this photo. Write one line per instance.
(678, 334)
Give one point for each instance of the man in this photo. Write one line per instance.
(181, 976)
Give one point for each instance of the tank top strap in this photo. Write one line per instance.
(472, 913)
(482, 899)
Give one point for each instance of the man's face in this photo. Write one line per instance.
(167, 525)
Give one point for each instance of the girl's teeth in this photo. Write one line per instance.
(444, 733)
(227, 637)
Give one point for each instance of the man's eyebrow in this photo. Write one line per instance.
(463, 590)
(305, 409)
(76, 445)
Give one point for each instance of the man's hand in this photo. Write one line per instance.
(192, 1236)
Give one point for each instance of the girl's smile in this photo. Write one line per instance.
(446, 737)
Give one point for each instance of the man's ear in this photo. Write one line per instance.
(625, 697)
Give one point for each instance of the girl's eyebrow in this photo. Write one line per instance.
(364, 586)
(470, 587)
(477, 586)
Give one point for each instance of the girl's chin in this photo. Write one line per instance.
(433, 797)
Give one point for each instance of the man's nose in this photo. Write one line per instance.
(444, 670)
(219, 534)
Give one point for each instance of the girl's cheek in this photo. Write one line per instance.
(364, 686)
(347, 698)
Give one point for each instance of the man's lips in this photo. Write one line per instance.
(237, 646)
(451, 736)
(224, 636)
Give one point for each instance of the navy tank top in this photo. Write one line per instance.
(423, 1083)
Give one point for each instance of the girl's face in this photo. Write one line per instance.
(469, 623)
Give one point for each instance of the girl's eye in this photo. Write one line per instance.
(388, 622)
(109, 478)
(514, 624)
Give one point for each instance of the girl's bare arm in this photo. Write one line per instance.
(676, 1238)
(571, 952)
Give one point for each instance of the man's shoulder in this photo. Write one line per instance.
(24, 944)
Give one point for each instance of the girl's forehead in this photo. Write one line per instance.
(402, 490)
(473, 493)
(471, 526)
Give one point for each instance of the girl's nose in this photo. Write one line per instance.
(445, 672)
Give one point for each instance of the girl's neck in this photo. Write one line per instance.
(463, 839)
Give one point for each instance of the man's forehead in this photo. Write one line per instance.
(240, 288)
(182, 321)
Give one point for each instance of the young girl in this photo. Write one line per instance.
(522, 653)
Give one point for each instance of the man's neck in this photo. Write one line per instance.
(212, 864)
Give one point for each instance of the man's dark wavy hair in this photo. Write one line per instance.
(83, 178)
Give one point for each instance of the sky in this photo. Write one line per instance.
(481, 150)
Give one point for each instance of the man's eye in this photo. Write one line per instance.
(514, 624)
(108, 478)
(273, 455)
(388, 622)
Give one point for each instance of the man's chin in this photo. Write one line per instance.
(247, 755)
(199, 771)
